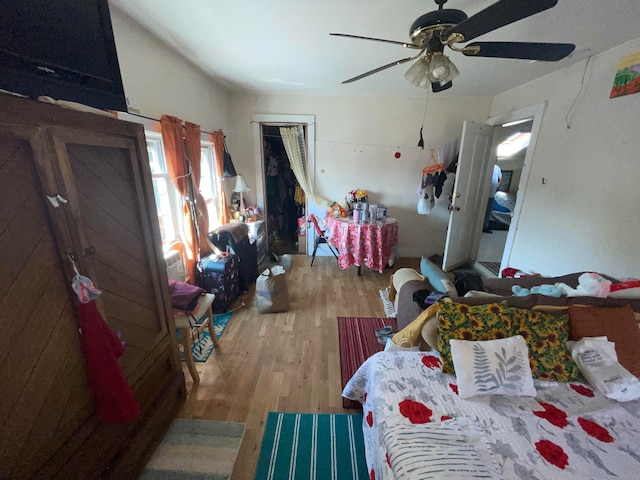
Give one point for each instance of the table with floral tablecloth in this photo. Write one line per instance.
(371, 244)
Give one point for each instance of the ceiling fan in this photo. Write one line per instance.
(434, 31)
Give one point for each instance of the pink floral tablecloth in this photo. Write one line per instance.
(370, 244)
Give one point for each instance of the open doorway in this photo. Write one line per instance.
(468, 202)
(508, 151)
(260, 120)
(285, 200)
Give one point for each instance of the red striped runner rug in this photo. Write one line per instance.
(358, 341)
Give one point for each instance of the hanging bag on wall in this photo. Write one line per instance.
(229, 169)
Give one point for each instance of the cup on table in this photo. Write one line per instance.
(373, 212)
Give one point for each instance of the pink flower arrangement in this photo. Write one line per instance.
(356, 196)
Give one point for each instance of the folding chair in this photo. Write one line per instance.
(319, 238)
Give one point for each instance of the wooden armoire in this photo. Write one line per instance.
(76, 184)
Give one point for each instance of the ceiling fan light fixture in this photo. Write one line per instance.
(441, 69)
(417, 73)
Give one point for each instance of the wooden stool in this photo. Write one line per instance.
(202, 314)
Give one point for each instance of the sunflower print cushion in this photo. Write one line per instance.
(545, 333)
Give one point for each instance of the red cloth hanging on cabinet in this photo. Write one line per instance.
(115, 402)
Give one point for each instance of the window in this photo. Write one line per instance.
(513, 144)
(208, 183)
(166, 195)
(165, 192)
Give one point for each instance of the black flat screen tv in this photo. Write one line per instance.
(63, 49)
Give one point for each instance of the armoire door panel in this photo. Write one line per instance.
(37, 424)
(110, 234)
(130, 262)
(20, 209)
(122, 285)
(42, 364)
(112, 222)
(104, 187)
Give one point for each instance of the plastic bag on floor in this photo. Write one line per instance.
(272, 293)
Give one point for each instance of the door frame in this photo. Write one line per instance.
(259, 119)
(534, 112)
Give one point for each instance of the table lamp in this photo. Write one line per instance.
(241, 187)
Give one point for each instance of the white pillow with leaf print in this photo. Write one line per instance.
(492, 367)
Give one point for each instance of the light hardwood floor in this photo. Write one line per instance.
(288, 361)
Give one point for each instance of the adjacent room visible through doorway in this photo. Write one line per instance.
(510, 142)
(285, 200)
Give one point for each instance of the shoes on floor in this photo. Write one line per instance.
(385, 331)
(383, 339)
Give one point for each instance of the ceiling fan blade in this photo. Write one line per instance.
(403, 44)
(498, 15)
(379, 69)
(548, 52)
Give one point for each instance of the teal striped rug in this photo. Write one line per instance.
(314, 446)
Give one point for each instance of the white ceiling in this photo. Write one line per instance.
(284, 47)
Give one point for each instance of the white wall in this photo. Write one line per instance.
(355, 146)
(163, 82)
(586, 216)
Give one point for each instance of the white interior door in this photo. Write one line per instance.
(469, 198)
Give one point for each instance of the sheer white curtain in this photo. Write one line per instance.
(294, 144)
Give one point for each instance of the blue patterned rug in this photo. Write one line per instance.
(203, 347)
(318, 446)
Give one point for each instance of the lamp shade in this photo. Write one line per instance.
(441, 69)
(417, 73)
(241, 185)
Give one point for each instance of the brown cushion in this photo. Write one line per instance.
(618, 324)
(408, 310)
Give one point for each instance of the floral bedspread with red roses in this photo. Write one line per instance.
(566, 432)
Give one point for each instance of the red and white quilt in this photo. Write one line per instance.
(417, 427)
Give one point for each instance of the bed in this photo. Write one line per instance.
(417, 425)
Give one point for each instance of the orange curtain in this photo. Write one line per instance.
(218, 142)
(192, 137)
(178, 167)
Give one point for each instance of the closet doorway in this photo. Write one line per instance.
(262, 120)
(285, 200)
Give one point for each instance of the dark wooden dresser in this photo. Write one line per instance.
(79, 184)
